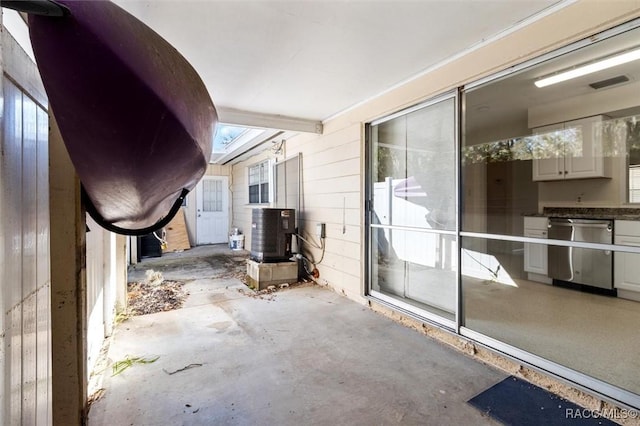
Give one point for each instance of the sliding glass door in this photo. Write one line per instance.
(549, 225)
(412, 209)
(462, 235)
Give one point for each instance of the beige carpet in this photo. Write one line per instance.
(596, 335)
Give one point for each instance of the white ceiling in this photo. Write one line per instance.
(313, 59)
(509, 100)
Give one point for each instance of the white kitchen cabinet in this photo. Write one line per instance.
(535, 255)
(626, 271)
(574, 151)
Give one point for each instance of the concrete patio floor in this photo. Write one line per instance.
(300, 356)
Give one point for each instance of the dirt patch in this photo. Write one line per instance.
(225, 267)
(149, 298)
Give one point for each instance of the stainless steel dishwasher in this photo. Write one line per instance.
(579, 265)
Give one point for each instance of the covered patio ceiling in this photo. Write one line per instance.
(290, 65)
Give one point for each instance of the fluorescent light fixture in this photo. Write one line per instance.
(603, 64)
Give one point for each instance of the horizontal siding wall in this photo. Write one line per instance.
(333, 165)
(332, 180)
(218, 170)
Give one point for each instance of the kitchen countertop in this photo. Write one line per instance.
(620, 213)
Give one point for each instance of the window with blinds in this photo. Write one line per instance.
(259, 183)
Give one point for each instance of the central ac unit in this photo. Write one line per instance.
(271, 231)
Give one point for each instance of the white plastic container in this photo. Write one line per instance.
(236, 242)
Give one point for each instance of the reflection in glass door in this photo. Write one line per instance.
(412, 213)
(534, 161)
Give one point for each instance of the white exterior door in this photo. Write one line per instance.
(212, 213)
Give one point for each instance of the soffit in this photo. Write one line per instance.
(313, 59)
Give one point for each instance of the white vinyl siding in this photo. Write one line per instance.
(331, 184)
(24, 233)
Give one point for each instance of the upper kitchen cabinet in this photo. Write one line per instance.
(570, 150)
(632, 142)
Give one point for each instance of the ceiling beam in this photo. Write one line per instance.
(237, 117)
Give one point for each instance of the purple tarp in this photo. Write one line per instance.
(134, 115)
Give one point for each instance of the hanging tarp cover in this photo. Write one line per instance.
(136, 118)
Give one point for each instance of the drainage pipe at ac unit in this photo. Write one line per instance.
(314, 274)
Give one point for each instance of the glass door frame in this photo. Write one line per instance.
(574, 378)
(396, 304)
(591, 385)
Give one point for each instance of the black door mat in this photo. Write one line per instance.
(519, 403)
